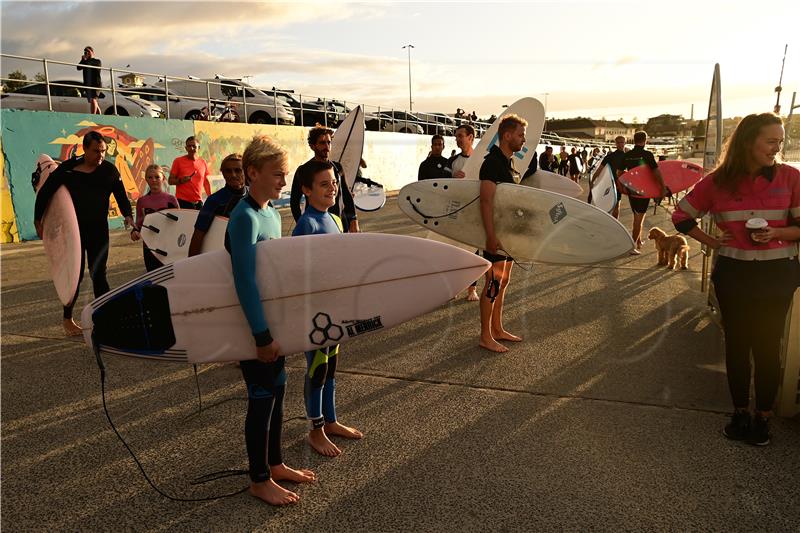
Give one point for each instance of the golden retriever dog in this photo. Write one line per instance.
(672, 249)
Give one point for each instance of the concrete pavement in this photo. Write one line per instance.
(606, 417)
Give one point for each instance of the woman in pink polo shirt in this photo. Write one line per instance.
(756, 272)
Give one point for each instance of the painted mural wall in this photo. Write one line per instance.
(133, 143)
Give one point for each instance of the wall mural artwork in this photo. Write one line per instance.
(134, 143)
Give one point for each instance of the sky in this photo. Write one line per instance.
(604, 59)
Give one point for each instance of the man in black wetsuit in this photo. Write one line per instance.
(90, 180)
(497, 168)
(614, 160)
(91, 78)
(435, 166)
(319, 140)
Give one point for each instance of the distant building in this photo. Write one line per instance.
(587, 128)
(668, 126)
(131, 80)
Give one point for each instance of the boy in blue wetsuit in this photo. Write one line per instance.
(252, 220)
(320, 186)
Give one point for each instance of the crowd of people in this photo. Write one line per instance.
(755, 275)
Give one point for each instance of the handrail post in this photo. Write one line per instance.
(302, 119)
(47, 85)
(325, 107)
(275, 103)
(244, 104)
(378, 115)
(113, 90)
(166, 96)
(208, 98)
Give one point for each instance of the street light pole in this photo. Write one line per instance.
(410, 102)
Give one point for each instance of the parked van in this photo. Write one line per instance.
(261, 107)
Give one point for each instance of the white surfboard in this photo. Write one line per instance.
(347, 145)
(531, 110)
(604, 191)
(531, 224)
(368, 197)
(168, 234)
(189, 311)
(550, 181)
(789, 397)
(61, 236)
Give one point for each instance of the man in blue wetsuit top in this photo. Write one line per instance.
(222, 202)
(320, 187)
(253, 220)
(319, 140)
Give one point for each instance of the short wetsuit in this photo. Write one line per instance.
(266, 382)
(151, 203)
(636, 157)
(320, 383)
(498, 168)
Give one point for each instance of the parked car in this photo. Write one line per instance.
(402, 122)
(179, 107)
(434, 123)
(68, 96)
(309, 113)
(261, 106)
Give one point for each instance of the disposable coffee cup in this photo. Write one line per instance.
(755, 225)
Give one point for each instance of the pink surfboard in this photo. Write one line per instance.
(60, 235)
(678, 176)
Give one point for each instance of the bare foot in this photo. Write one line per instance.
(282, 472)
(506, 336)
(492, 345)
(321, 444)
(71, 328)
(472, 294)
(272, 493)
(340, 430)
(635, 252)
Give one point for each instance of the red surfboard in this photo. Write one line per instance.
(678, 176)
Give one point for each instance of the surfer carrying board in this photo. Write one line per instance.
(319, 140)
(497, 167)
(156, 199)
(614, 160)
(222, 202)
(636, 157)
(90, 180)
(253, 220)
(465, 137)
(755, 201)
(320, 187)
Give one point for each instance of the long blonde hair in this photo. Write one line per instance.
(733, 162)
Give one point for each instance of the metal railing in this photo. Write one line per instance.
(181, 98)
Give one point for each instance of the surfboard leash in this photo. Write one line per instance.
(423, 215)
(198, 481)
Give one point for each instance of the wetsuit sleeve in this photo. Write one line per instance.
(303, 227)
(120, 195)
(172, 203)
(421, 171)
(650, 159)
(206, 215)
(694, 205)
(489, 171)
(243, 237)
(46, 192)
(139, 214)
(349, 211)
(297, 194)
